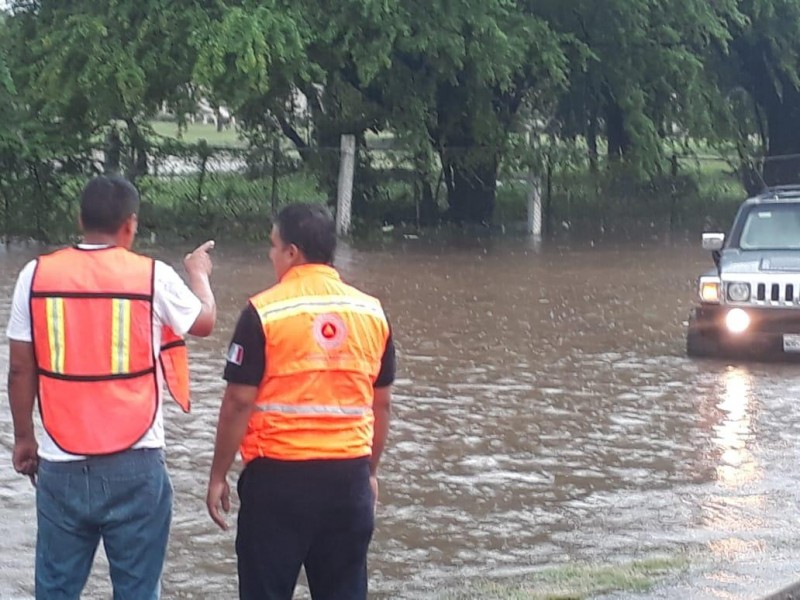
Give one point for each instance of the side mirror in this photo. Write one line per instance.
(713, 241)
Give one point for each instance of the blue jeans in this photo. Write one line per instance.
(125, 499)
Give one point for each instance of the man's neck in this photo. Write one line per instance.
(99, 239)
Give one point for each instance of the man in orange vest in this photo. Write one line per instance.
(94, 333)
(307, 404)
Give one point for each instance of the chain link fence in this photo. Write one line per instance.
(234, 191)
(222, 191)
(38, 200)
(698, 192)
(186, 189)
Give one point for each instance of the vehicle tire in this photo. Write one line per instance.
(700, 344)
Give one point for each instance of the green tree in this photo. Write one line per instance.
(461, 76)
(450, 75)
(10, 146)
(647, 75)
(266, 59)
(765, 61)
(84, 65)
(7, 102)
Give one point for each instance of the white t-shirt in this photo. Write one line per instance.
(174, 304)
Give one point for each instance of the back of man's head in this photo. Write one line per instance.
(310, 227)
(107, 202)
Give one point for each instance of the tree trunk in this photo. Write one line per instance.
(139, 164)
(429, 211)
(113, 151)
(777, 110)
(471, 189)
(783, 150)
(591, 140)
(618, 140)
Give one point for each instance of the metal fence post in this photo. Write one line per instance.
(534, 226)
(347, 164)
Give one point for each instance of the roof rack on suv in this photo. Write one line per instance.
(776, 192)
(789, 189)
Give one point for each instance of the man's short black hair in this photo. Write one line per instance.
(310, 227)
(107, 202)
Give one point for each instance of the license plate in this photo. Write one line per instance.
(791, 342)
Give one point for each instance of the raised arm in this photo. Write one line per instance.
(198, 268)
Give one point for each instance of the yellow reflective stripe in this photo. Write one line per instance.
(126, 346)
(114, 336)
(319, 305)
(306, 409)
(289, 302)
(55, 333)
(120, 336)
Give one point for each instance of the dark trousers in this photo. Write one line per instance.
(317, 514)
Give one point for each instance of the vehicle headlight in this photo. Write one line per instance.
(738, 291)
(709, 289)
(737, 320)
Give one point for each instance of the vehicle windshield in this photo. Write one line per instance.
(773, 227)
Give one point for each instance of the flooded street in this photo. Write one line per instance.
(544, 413)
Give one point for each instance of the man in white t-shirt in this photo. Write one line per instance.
(85, 336)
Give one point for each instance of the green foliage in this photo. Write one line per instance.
(8, 108)
(82, 66)
(646, 78)
(246, 45)
(471, 91)
(462, 79)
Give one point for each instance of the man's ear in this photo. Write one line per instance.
(131, 224)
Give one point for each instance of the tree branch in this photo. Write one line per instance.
(291, 133)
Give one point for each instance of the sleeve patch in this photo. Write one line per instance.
(236, 354)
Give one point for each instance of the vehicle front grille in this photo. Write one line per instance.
(767, 293)
(775, 292)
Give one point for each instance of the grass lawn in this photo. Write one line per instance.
(574, 582)
(197, 131)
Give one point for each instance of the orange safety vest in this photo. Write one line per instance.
(92, 323)
(174, 358)
(324, 345)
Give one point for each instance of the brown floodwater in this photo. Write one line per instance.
(545, 413)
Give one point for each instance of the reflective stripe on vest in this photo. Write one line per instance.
(55, 332)
(307, 409)
(324, 344)
(315, 305)
(92, 323)
(120, 336)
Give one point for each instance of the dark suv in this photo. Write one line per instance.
(750, 303)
